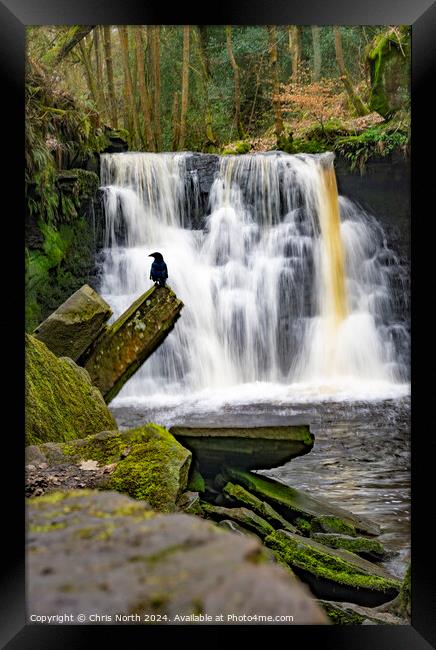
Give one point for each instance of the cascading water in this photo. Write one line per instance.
(289, 290)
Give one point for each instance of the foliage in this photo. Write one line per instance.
(375, 141)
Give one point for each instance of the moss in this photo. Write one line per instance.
(300, 555)
(245, 498)
(333, 525)
(303, 525)
(292, 503)
(389, 65)
(242, 516)
(359, 545)
(196, 482)
(60, 404)
(151, 465)
(339, 616)
(236, 148)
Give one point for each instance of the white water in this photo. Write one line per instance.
(266, 317)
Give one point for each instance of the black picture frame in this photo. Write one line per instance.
(15, 15)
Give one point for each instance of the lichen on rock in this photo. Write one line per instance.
(146, 463)
(60, 401)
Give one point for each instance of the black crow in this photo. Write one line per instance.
(159, 271)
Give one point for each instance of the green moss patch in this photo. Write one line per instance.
(150, 464)
(61, 403)
(320, 565)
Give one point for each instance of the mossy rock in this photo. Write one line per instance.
(292, 503)
(370, 549)
(401, 605)
(107, 553)
(196, 481)
(242, 516)
(332, 573)
(243, 498)
(150, 464)
(60, 401)
(352, 614)
(236, 148)
(334, 525)
(389, 65)
(72, 328)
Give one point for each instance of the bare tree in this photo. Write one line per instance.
(131, 113)
(294, 34)
(154, 60)
(316, 43)
(237, 81)
(272, 38)
(356, 101)
(99, 71)
(185, 87)
(143, 90)
(110, 74)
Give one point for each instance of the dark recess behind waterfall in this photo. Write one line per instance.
(383, 190)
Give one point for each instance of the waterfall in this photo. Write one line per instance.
(287, 287)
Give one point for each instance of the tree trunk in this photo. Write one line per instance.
(154, 32)
(99, 72)
(110, 74)
(176, 122)
(237, 81)
(185, 87)
(316, 42)
(206, 76)
(143, 91)
(90, 79)
(294, 33)
(358, 104)
(278, 120)
(65, 44)
(132, 115)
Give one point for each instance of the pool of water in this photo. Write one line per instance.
(360, 460)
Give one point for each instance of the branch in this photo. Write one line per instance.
(66, 43)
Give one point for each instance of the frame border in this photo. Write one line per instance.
(15, 15)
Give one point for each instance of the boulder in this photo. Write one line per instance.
(145, 463)
(334, 574)
(352, 614)
(291, 502)
(389, 67)
(105, 554)
(127, 343)
(245, 447)
(242, 516)
(242, 497)
(71, 329)
(370, 549)
(60, 401)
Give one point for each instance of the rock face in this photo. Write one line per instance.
(389, 66)
(128, 342)
(291, 502)
(60, 401)
(332, 573)
(249, 448)
(71, 329)
(145, 463)
(105, 553)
